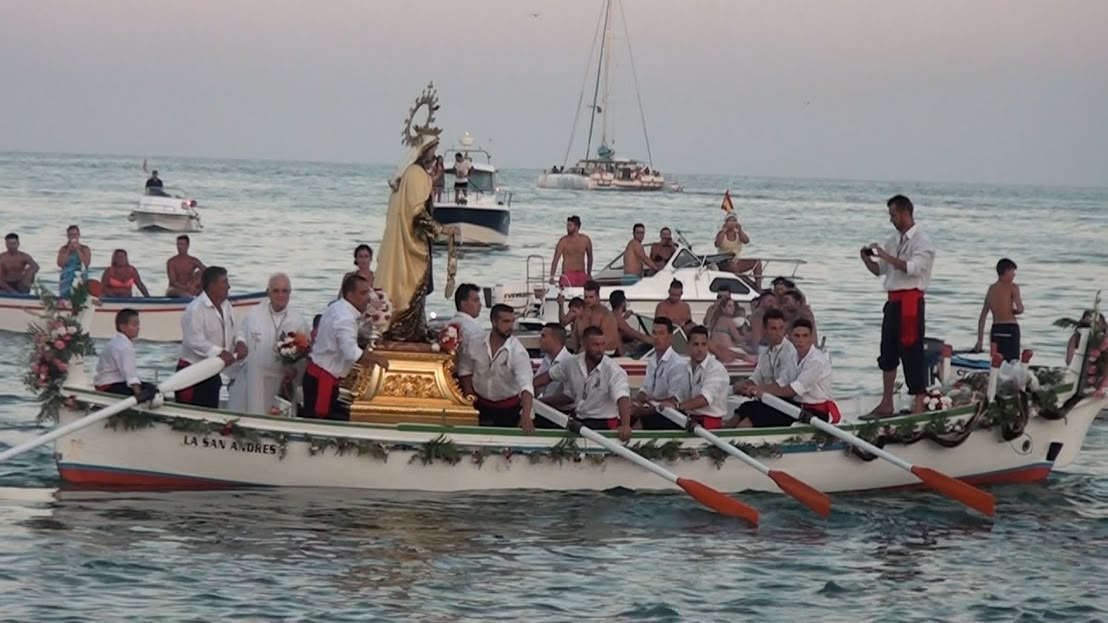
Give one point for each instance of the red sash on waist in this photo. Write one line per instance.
(325, 388)
(183, 395)
(709, 422)
(511, 402)
(909, 314)
(827, 407)
(103, 388)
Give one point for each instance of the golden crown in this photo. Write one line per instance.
(413, 132)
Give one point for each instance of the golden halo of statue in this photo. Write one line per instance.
(426, 105)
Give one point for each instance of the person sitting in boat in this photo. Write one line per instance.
(1003, 301)
(497, 370)
(335, 351)
(631, 340)
(183, 271)
(575, 251)
(635, 259)
(810, 390)
(730, 239)
(776, 366)
(1085, 322)
(438, 178)
(666, 377)
(208, 330)
(569, 318)
(120, 279)
(461, 179)
(795, 307)
(17, 269)
(725, 337)
(594, 314)
(756, 339)
(552, 344)
(467, 306)
(262, 375)
(673, 307)
(722, 294)
(116, 370)
(363, 258)
(661, 251)
(595, 385)
(705, 399)
(154, 185)
(781, 285)
(73, 258)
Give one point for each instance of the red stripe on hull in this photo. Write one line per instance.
(138, 480)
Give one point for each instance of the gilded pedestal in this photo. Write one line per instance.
(418, 387)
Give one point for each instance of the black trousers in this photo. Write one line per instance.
(332, 408)
(504, 417)
(762, 415)
(203, 394)
(1006, 336)
(123, 389)
(893, 352)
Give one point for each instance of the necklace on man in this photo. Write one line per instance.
(273, 319)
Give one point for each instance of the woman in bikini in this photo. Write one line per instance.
(724, 334)
(120, 279)
(730, 239)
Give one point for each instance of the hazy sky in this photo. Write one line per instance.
(974, 90)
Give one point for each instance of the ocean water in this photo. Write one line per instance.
(340, 555)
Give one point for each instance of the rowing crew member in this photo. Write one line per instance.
(595, 385)
(552, 343)
(207, 330)
(666, 377)
(116, 370)
(336, 350)
(776, 365)
(705, 402)
(811, 390)
(497, 369)
(467, 303)
(906, 261)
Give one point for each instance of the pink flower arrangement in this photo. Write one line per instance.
(449, 337)
(378, 313)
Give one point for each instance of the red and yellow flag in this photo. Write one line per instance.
(726, 205)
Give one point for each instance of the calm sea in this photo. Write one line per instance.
(356, 556)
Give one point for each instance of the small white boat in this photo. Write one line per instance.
(484, 216)
(161, 316)
(166, 209)
(700, 275)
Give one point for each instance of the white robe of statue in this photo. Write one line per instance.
(258, 380)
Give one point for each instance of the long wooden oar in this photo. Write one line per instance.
(802, 491)
(185, 378)
(966, 494)
(722, 504)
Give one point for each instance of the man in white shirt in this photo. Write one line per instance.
(461, 178)
(336, 350)
(666, 378)
(467, 303)
(810, 390)
(497, 369)
(776, 365)
(116, 370)
(705, 401)
(905, 261)
(208, 330)
(552, 343)
(595, 385)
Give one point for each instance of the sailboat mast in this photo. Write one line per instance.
(607, 78)
(601, 66)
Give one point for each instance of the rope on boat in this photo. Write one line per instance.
(635, 76)
(581, 95)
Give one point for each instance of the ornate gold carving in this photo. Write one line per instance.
(418, 387)
(409, 386)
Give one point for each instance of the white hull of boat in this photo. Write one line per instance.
(572, 181)
(177, 223)
(566, 181)
(481, 224)
(275, 451)
(161, 317)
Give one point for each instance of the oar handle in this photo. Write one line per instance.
(683, 420)
(797, 414)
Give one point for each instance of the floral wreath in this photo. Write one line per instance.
(57, 338)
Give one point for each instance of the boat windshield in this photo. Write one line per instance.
(166, 191)
(482, 181)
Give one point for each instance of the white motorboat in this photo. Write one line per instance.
(166, 209)
(700, 275)
(605, 171)
(484, 214)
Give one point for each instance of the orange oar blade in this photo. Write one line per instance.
(720, 503)
(803, 492)
(969, 495)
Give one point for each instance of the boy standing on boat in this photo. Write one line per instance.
(17, 269)
(208, 330)
(116, 370)
(575, 251)
(1002, 300)
(708, 385)
(776, 366)
(497, 369)
(905, 261)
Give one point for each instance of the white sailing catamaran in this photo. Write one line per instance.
(605, 171)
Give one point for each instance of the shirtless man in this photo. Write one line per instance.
(17, 269)
(661, 251)
(1004, 302)
(635, 257)
(575, 251)
(674, 308)
(594, 314)
(183, 271)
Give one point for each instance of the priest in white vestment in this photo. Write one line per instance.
(263, 374)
